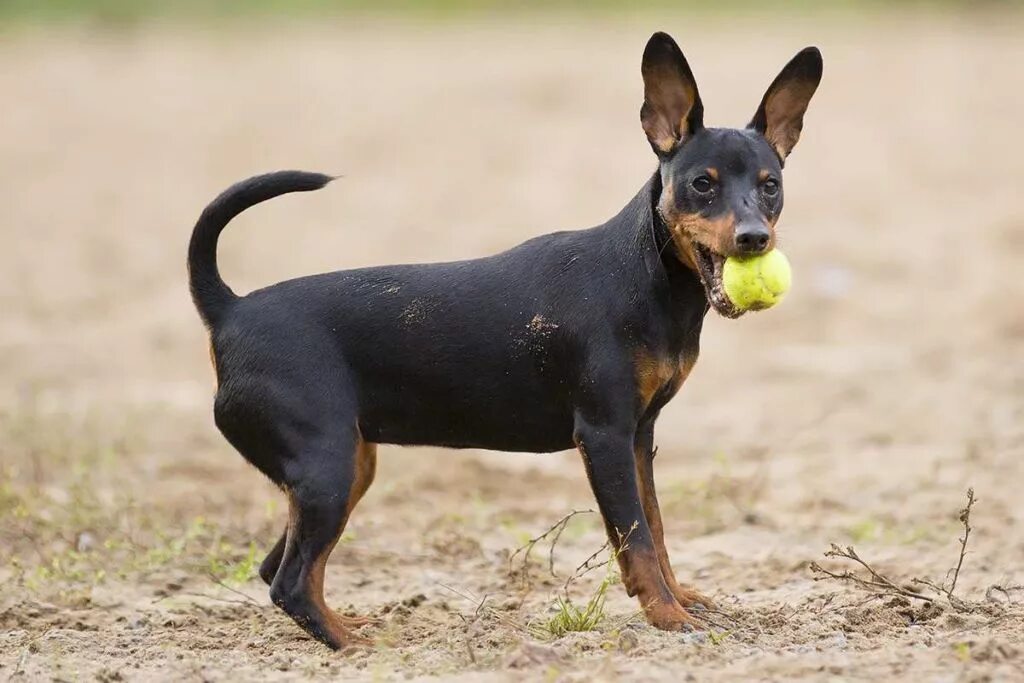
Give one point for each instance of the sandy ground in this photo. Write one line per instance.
(857, 413)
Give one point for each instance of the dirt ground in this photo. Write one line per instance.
(858, 412)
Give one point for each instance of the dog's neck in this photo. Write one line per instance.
(660, 231)
(641, 243)
(661, 255)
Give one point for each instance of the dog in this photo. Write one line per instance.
(573, 339)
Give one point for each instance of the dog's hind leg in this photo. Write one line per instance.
(297, 421)
(366, 468)
(323, 482)
(268, 568)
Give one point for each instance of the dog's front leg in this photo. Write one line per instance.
(607, 452)
(645, 451)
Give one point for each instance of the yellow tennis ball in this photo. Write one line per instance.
(757, 282)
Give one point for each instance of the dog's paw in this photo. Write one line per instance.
(669, 616)
(692, 600)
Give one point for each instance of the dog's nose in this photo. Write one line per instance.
(752, 238)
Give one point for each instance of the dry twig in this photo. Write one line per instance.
(220, 583)
(24, 654)
(965, 518)
(1006, 591)
(482, 608)
(588, 565)
(880, 585)
(557, 529)
(875, 582)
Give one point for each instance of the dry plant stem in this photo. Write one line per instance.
(206, 596)
(24, 654)
(468, 623)
(705, 615)
(557, 528)
(1006, 591)
(876, 582)
(828, 607)
(223, 585)
(882, 585)
(702, 616)
(965, 518)
(587, 565)
(490, 611)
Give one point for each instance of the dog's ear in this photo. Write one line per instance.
(672, 110)
(780, 118)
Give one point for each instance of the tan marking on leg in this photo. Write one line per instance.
(640, 573)
(642, 576)
(338, 625)
(649, 498)
(366, 471)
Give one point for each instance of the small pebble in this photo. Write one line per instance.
(628, 640)
(695, 638)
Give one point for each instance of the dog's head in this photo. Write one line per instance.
(721, 188)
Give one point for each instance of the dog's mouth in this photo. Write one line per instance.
(709, 268)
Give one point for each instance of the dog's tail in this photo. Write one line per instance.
(209, 292)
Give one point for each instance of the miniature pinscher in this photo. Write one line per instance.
(572, 339)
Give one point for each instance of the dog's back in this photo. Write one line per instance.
(479, 353)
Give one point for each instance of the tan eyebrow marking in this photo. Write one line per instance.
(712, 173)
(764, 174)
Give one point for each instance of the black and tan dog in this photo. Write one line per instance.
(573, 339)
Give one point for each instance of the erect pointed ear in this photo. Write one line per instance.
(672, 109)
(780, 118)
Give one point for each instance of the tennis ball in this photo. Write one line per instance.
(757, 282)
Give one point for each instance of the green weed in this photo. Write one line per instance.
(224, 567)
(569, 618)
(717, 637)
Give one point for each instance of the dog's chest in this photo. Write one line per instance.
(659, 376)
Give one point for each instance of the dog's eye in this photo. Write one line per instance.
(701, 184)
(771, 187)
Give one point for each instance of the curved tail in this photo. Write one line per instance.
(209, 292)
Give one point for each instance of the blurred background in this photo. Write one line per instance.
(890, 380)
